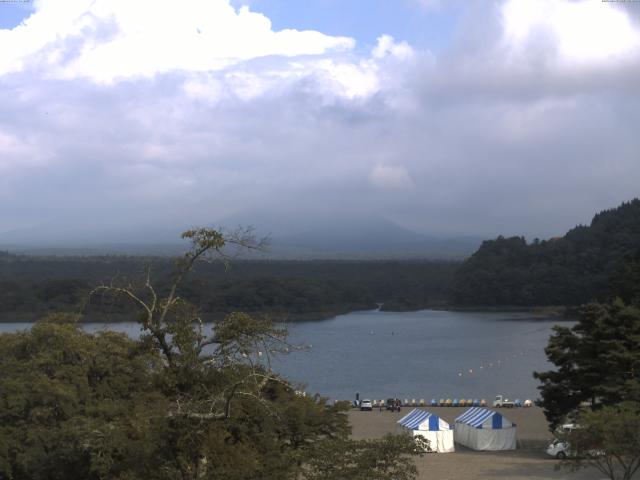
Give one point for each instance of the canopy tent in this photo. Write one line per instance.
(483, 429)
(430, 427)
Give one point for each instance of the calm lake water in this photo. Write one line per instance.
(425, 354)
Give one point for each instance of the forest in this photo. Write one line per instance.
(589, 263)
(292, 290)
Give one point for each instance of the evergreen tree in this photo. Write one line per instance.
(597, 360)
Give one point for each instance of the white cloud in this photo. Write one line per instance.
(224, 53)
(387, 46)
(204, 87)
(107, 40)
(582, 32)
(350, 80)
(390, 177)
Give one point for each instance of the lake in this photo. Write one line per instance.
(424, 354)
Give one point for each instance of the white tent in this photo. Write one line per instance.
(431, 427)
(483, 429)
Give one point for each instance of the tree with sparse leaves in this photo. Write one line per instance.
(186, 401)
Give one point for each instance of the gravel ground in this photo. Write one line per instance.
(529, 461)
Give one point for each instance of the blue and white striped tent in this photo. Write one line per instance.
(423, 420)
(483, 418)
(483, 429)
(431, 427)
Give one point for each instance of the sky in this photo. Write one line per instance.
(457, 117)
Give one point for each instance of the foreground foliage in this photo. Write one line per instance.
(366, 460)
(181, 402)
(609, 440)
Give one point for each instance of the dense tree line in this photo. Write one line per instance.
(31, 286)
(585, 265)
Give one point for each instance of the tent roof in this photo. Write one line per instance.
(483, 418)
(416, 419)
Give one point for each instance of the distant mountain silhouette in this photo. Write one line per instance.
(331, 236)
(299, 236)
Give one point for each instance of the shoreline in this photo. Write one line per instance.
(536, 310)
(557, 313)
(276, 317)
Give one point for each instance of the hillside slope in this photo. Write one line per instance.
(570, 270)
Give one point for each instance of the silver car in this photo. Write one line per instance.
(366, 405)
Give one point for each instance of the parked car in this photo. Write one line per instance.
(390, 404)
(502, 402)
(366, 405)
(561, 449)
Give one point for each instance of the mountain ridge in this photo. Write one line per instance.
(301, 236)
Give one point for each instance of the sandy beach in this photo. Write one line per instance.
(529, 461)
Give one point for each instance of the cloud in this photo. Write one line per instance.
(387, 46)
(580, 32)
(106, 40)
(514, 128)
(390, 177)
